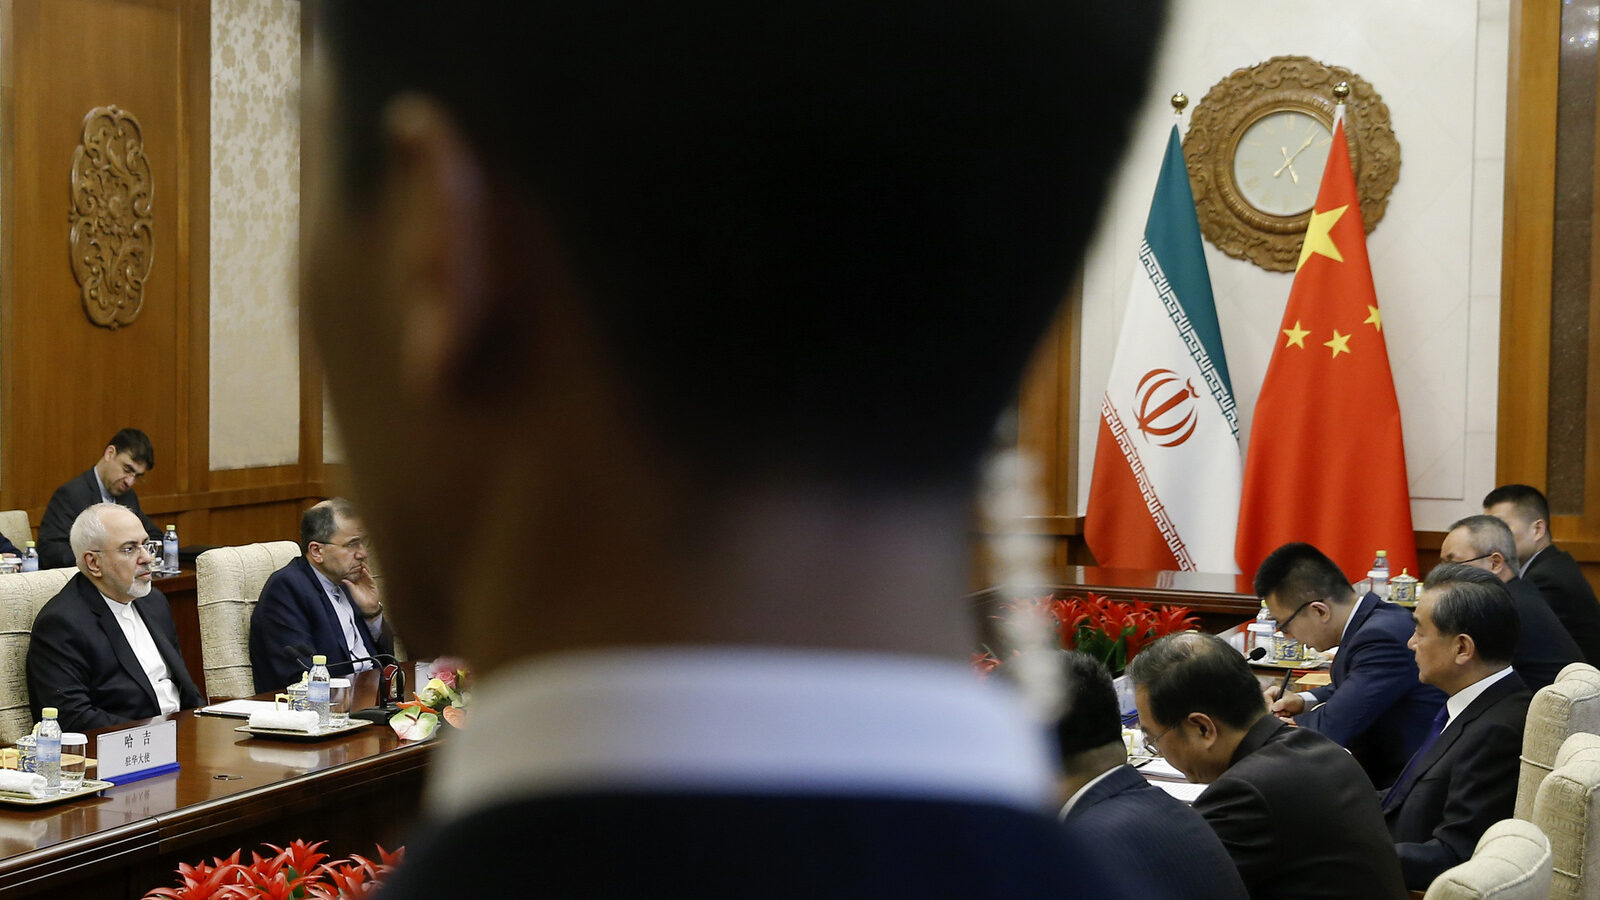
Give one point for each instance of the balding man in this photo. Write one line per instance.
(104, 650)
(1552, 570)
(1544, 648)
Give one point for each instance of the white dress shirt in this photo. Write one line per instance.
(346, 612)
(751, 719)
(144, 648)
(1463, 698)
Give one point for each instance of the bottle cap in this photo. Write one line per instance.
(28, 543)
(49, 712)
(319, 660)
(1383, 553)
(172, 528)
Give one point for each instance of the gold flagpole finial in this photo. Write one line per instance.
(1179, 101)
(1341, 91)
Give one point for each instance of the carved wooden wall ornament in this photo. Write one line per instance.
(112, 243)
(1246, 203)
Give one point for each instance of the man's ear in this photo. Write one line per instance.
(1205, 727)
(1539, 527)
(437, 220)
(1465, 648)
(90, 562)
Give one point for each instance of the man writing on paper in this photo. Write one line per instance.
(322, 601)
(1375, 706)
(104, 650)
(1544, 647)
(128, 457)
(695, 319)
(1464, 778)
(1296, 813)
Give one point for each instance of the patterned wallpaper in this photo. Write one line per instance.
(255, 212)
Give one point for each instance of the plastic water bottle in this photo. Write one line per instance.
(1260, 633)
(47, 750)
(30, 558)
(317, 690)
(169, 550)
(1379, 575)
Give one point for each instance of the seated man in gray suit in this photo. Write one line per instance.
(126, 459)
(104, 650)
(1295, 811)
(1143, 840)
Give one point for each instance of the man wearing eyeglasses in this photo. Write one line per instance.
(128, 457)
(1376, 707)
(1544, 646)
(104, 650)
(323, 601)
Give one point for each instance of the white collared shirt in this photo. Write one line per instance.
(1463, 698)
(1073, 800)
(345, 610)
(744, 719)
(1310, 698)
(144, 648)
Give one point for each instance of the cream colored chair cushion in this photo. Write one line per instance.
(228, 581)
(1570, 705)
(1512, 862)
(14, 525)
(1581, 671)
(22, 595)
(1565, 809)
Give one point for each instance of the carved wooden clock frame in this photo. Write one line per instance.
(1227, 111)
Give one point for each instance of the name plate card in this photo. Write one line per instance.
(135, 753)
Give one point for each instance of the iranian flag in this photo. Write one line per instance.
(1165, 490)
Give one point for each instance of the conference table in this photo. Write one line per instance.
(231, 790)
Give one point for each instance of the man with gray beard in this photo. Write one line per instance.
(104, 650)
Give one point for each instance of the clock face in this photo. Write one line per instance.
(1279, 160)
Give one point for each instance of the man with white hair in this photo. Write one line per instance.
(104, 650)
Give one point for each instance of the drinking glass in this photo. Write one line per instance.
(74, 760)
(154, 549)
(25, 753)
(339, 694)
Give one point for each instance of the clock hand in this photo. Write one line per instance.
(1288, 158)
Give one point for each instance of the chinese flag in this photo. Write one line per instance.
(1326, 463)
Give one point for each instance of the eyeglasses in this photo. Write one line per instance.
(131, 548)
(1465, 561)
(1150, 742)
(1284, 625)
(354, 545)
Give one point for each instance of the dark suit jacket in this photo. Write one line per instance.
(1544, 647)
(66, 503)
(661, 844)
(1300, 819)
(293, 609)
(80, 662)
(1148, 843)
(1464, 783)
(1376, 707)
(1556, 574)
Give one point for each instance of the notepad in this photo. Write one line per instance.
(238, 709)
(1183, 790)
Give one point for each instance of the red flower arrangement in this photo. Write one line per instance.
(295, 872)
(1111, 631)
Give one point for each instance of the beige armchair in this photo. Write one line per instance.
(14, 525)
(1512, 862)
(22, 595)
(1558, 710)
(228, 581)
(1566, 811)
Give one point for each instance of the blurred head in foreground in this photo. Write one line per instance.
(686, 323)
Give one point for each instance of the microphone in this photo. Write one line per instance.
(1257, 654)
(391, 681)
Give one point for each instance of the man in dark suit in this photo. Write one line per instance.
(323, 601)
(1544, 647)
(680, 329)
(1295, 812)
(1375, 706)
(1465, 778)
(126, 459)
(1549, 568)
(1145, 841)
(104, 650)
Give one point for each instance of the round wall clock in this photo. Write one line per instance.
(1256, 146)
